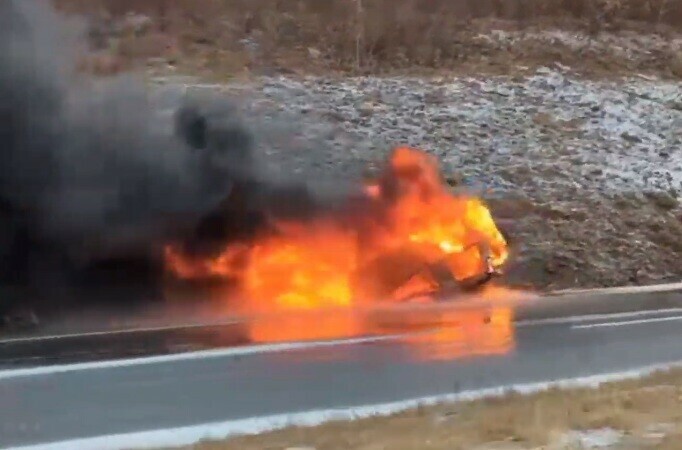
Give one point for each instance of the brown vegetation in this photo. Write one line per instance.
(365, 36)
(646, 411)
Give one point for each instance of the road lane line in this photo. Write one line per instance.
(626, 323)
(189, 356)
(595, 317)
(668, 287)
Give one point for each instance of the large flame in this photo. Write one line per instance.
(410, 228)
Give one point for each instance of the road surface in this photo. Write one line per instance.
(68, 402)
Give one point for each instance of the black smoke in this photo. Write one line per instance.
(91, 182)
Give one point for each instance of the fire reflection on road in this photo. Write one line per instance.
(463, 334)
(428, 333)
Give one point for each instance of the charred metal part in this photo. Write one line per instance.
(475, 283)
(449, 285)
(487, 257)
(443, 275)
(488, 272)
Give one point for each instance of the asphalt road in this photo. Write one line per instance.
(92, 400)
(103, 344)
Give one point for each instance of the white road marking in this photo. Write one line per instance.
(595, 317)
(190, 435)
(188, 356)
(621, 290)
(626, 323)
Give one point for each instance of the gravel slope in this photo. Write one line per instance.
(585, 174)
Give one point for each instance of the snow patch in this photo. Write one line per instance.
(594, 439)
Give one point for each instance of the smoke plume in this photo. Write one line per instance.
(87, 170)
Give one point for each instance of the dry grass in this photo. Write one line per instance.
(527, 421)
(365, 36)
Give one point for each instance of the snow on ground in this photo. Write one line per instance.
(556, 130)
(588, 172)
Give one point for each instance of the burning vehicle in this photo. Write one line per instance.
(399, 237)
(99, 204)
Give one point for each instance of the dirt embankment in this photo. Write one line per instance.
(585, 175)
(218, 38)
(589, 169)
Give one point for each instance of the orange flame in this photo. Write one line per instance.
(410, 223)
(475, 332)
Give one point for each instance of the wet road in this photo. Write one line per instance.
(547, 343)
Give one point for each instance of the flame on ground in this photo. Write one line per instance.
(411, 234)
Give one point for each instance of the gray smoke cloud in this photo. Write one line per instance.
(87, 167)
